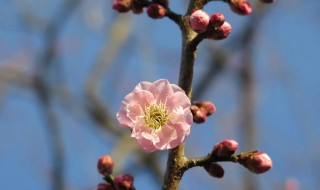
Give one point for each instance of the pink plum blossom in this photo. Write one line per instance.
(158, 114)
(199, 21)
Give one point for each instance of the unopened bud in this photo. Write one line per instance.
(199, 21)
(105, 186)
(256, 162)
(161, 2)
(225, 148)
(267, 1)
(209, 107)
(199, 114)
(217, 20)
(214, 169)
(105, 165)
(124, 182)
(156, 11)
(241, 7)
(122, 5)
(221, 32)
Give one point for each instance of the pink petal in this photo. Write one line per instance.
(183, 130)
(176, 88)
(142, 97)
(151, 136)
(164, 88)
(146, 144)
(179, 115)
(134, 111)
(178, 99)
(148, 86)
(122, 116)
(166, 135)
(139, 128)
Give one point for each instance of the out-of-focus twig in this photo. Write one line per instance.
(43, 90)
(118, 36)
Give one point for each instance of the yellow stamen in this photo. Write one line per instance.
(155, 116)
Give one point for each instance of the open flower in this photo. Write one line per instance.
(158, 114)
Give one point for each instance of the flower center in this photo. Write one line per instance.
(155, 116)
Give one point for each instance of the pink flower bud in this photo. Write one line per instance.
(267, 1)
(241, 7)
(214, 169)
(122, 5)
(124, 182)
(217, 20)
(209, 107)
(257, 162)
(199, 114)
(225, 148)
(199, 21)
(105, 186)
(161, 2)
(105, 165)
(156, 11)
(221, 32)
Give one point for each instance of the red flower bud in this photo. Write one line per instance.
(209, 107)
(156, 11)
(105, 165)
(225, 148)
(257, 162)
(267, 1)
(214, 169)
(105, 186)
(199, 21)
(221, 32)
(122, 5)
(241, 7)
(199, 114)
(217, 20)
(124, 182)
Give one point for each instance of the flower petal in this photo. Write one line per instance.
(148, 86)
(178, 99)
(146, 144)
(142, 97)
(164, 88)
(176, 88)
(134, 111)
(122, 114)
(183, 130)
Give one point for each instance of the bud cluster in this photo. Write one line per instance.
(200, 110)
(155, 9)
(214, 26)
(254, 161)
(121, 182)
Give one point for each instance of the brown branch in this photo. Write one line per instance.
(176, 158)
